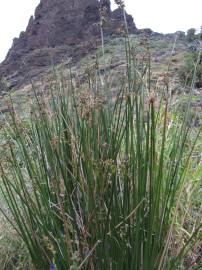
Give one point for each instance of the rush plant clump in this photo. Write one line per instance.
(94, 182)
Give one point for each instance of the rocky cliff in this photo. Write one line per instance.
(59, 29)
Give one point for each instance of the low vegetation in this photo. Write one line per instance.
(192, 59)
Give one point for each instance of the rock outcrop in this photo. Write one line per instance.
(59, 29)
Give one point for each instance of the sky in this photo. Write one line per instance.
(163, 16)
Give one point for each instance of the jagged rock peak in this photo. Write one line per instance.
(55, 27)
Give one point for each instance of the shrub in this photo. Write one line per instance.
(191, 34)
(192, 68)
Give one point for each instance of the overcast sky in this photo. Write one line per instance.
(163, 16)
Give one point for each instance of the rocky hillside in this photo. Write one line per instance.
(68, 32)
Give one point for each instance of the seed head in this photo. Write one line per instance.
(152, 98)
(120, 3)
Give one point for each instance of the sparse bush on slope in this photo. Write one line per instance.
(193, 64)
(191, 34)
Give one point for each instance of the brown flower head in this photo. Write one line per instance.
(120, 3)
